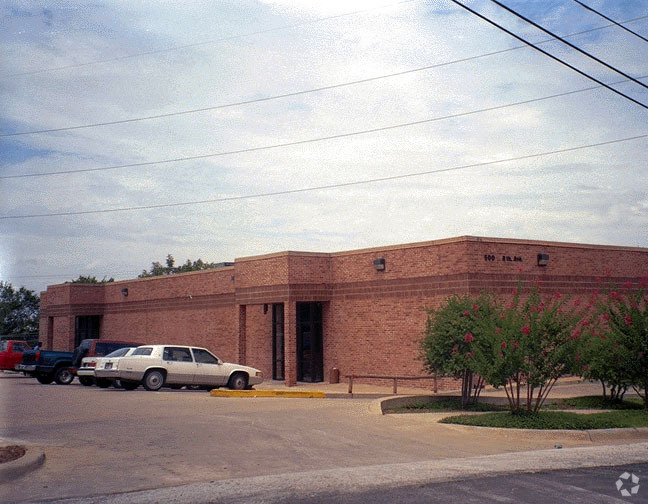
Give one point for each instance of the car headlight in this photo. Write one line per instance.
(259, 373)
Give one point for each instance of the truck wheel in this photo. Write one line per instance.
(62, 376)
(103, 383)
(153, 380)
(88, 381)
(45, 379)
(238, 381)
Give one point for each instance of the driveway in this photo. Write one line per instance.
(100, 441)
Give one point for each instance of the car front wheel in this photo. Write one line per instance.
(63, 376)
(154, 380)
(238, 381)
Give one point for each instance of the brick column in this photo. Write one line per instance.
(242, 334)
(290, 343)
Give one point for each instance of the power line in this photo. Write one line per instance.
(298, 142)
(573, 46)
(322, 187)
(584, 74)
(205, 42)
(292, 94)
(620, 25)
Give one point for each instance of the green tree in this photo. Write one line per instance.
(531, 343)
(19, 310)
(157, 269)
(616, 351)
(92, 280)
(451, 341)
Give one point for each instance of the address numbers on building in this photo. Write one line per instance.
(505, 258)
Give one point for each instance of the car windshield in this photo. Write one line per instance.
(119, 353)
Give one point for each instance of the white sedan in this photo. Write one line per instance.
(156, 366)
(105, 367)
(87, 371)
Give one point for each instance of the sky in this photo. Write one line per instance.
(432, 124)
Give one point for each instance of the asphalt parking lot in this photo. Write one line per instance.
(104, 441)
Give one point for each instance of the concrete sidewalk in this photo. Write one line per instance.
(566, 387)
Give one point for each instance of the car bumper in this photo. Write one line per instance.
(26, 368)
(110, 374)
(85, 372)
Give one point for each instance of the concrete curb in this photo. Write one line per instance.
(30, 461)
(268, 393)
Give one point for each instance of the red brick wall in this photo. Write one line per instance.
(373, 321)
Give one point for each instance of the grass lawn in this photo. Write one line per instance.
(445, 404)
(555, 420)
(594, 402)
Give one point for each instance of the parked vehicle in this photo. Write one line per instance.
(11, 353)
(93, 370)
(47, 366)
(94, 348)
(156, 366)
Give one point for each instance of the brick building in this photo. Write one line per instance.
(296, 315)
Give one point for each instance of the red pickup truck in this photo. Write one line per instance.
(11, 353)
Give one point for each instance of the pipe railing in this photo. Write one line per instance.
(395, 379)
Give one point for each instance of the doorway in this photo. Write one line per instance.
(310, 355)
(278, 361)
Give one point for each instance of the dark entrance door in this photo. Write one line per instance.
(86, 327)
(278, 341)
(310, 357)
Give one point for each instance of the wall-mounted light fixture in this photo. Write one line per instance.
(125, 291)
(379, 264)
(543, 259)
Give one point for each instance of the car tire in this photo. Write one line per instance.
(62, 376)
(129, 385)
(88, 381)
(103, 383)
(153, 380)
(238, 381)
(45, 379)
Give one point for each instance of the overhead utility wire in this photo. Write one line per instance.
(298, 142)
(205, 42)
(292, 94)
(566, 42)
(611, 20)
(584, 74)
(323, 187)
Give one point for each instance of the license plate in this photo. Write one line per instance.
(108, 365)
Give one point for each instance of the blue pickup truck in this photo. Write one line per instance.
(47, 366)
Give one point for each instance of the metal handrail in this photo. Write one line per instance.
(391, 377)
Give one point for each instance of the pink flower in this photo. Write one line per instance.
(455, 350)
(586, 368)
(577, 302)
(577, 357)
(628, 320)
(606, 316)
(614, 295)
(576, 335)
(515, 292)
(470, 355)
(526, 329)
(558, 295)
(466, 313)
(628, 284)
(469, 337)
(501, 353)
(585, 323)
(520, 269)
(515, 345)
(475, 307)
(503, 344)
(498, 330)
(603, 337)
